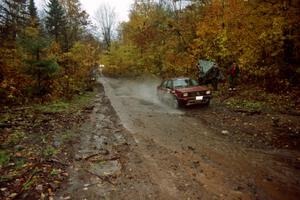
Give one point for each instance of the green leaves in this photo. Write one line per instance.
(4, 158)
(55, 20)
(37, 62)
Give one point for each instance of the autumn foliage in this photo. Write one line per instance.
(51, 57)
(44, 59)
(167, 38)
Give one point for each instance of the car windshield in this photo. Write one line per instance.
(180, 83)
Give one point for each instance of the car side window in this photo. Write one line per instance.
(170, 84)
(164, 84)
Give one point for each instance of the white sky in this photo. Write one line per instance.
(122, 7)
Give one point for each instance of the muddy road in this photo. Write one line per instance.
(134, 147)
(187, 160)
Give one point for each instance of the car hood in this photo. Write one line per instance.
(192, 89)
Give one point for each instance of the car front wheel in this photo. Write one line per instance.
(176, 103)
(207, 103)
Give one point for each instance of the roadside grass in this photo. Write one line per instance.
(50, 151)
(64, 105)
(4, 117)
(64, 137)
(14, 138)
(29, 183)
(19, 164)
(255, 99)
(55, 172)
(4, 158)
(246, 104)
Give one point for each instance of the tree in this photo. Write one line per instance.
(13, 19)
(32, 9)
(33, 17)
(29, 53)
(77, 21)
(159, 37)
(106, 20)
(13, 16)
(55, 20)
(37, 63)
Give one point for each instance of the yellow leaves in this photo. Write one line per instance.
(54, 49)
(77, 64)
(278, 25)
(4, 84)
(83, 54)
(8, 86)
(31, 32)
(237, 32)
(257, 35)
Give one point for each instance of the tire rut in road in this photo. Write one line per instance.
(220, 169)
(100, 167)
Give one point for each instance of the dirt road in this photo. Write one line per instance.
(152, 151)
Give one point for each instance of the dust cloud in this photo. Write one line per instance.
(142, 89)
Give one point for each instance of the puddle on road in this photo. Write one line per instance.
(144, 102)
(106, 168)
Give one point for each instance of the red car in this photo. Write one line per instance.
(183, 92)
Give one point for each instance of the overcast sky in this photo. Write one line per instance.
(121, 6)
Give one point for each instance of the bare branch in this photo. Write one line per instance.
(105, 17)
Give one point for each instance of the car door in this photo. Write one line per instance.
(162, 89)
(169, 91)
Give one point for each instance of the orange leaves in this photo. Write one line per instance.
(77, 64)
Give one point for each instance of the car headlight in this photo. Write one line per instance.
(208, 92)
(185, 94)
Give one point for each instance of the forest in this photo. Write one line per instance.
(51, 55)
(44, 57)
(167, 38)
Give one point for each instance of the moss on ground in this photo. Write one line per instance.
(66, 105)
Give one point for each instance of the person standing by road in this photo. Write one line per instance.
(233, 74)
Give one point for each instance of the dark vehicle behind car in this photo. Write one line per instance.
(183, 91)
(210, 73)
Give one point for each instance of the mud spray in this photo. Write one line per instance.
(144, 89)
